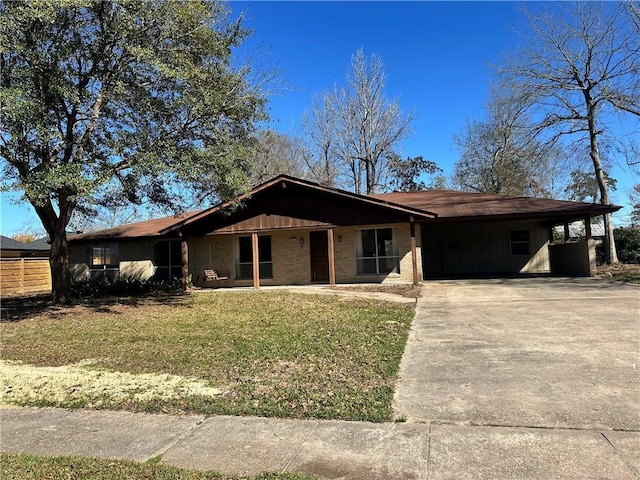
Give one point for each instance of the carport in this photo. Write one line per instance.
(478, 234)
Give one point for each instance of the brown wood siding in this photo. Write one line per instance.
(478, 249)
(270, 222)
(24, 275)
(298, 209)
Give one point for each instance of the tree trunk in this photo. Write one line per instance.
(56, 227)
(60, 271)
(611, 255)
(371, 177)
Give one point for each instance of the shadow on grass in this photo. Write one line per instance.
(23, 307)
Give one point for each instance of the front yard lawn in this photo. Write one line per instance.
(37, 467)
(275, 354)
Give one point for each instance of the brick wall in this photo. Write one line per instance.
(292, 262)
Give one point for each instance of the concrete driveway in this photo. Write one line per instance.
(542, 353)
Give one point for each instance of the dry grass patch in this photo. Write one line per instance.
(259, 353)
(623, 272)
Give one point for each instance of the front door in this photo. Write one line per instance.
(319, 253)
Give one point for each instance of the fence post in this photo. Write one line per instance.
(21, 275)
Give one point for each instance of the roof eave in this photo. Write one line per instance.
(564, 216)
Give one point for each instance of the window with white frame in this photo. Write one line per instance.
(377, 254)
(519, 242)
(244, 257)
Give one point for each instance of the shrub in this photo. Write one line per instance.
(125, 286)
(627, 244)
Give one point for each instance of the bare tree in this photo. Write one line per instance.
(29, 231)
(321, 158)
(361, 127)
(500, 155)
(274, 154)
(582, 65)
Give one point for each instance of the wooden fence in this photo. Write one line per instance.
(24, 275)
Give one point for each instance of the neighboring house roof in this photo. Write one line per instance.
(430, 205)
(576, 230)
(454, 205)
(41, 244)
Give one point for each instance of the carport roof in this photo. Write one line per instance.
(451, 205)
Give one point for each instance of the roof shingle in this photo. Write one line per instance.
(450, 204)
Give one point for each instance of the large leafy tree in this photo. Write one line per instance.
(583, 67)
(584, 186)
(137, 98)
(407, 175)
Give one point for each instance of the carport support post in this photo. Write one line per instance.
(414, 256)
(591, 247)
(587, 228)
(256, 260)
(184, 250)
(567, 235)
(332, 258)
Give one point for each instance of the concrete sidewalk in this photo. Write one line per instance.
(327, 449)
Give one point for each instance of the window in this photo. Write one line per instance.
(519, 242)
(376, 252)
(167, 258)
(244, 257)
(103, 256)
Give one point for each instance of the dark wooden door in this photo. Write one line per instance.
(319, 253)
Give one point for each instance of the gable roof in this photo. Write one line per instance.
(172, 224)
(429, 205)
(451, 205)
(284, 180)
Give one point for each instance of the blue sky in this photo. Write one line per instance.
(437, 56)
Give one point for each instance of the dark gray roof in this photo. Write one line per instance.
(41, 244)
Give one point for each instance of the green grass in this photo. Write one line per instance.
(274, 354)
(36, 467)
